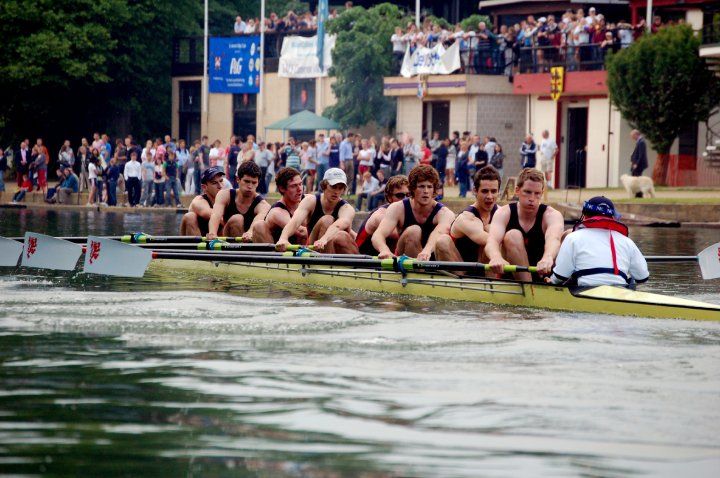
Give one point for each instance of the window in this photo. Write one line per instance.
(302, 95)
(190, 96)
(244, 115)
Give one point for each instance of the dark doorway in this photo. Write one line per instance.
(577, 121)
(436, 117)
(189, 117)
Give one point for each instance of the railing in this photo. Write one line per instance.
(587, 57)
(711, 33)
(188, 52)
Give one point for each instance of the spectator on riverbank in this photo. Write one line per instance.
(528, 150)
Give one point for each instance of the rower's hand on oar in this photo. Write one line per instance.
(247, 237)
(385, 255)
(210, 236)
(544, 266)
(424, 255)
(281, 246)
(498, 266)
(320, 245)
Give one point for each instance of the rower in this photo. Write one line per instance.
(599, 251)
(239, 209)
(418, 219)
(396, 190)
(329, 217)
(470, 230)
(290, 186)
(528, 231)
(195, 222)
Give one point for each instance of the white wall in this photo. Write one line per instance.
(598, 151)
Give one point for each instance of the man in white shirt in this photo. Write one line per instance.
(239, 25)
(548, 149)
(598, 251)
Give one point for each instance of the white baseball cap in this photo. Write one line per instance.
(334, 176)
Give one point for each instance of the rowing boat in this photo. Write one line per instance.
(600, 300)
(405, 276)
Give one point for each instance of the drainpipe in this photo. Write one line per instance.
(607, 172)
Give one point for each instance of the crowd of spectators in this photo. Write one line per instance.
(576, 40)
(290, 22)
(158, 174)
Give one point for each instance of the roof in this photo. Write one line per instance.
(499, 3)
(304, 121)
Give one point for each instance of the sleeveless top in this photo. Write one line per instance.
(248, 216)
(427, 227)
(318, 212)
(534, 238)
(363, 239)
(203, 223)
(468, 249)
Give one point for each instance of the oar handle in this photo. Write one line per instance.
(406, 264)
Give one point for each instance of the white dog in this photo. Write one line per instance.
(638, 184)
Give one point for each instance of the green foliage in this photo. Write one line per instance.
(660, 84)
(471, 22)
(361, 58)
(440, 21)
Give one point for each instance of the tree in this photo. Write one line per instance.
(660, 84)
(361, 58)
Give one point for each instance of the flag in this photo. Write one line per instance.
(322, 18)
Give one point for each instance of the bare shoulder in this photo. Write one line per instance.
(552, 215)
(502, 214)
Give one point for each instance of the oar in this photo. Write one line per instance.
(141, 238)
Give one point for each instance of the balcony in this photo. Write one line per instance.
(710, 44)
(188, 52)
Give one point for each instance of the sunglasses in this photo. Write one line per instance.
(400, 195)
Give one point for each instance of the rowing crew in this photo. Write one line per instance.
(414, 224)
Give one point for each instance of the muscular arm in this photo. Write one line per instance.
(301, 214)
(221, 201)
(261, 210)
(443, 219)
(201, 207)
(469, 226)
(342, 223)
(389, 223)
(553, 224)
(493, 250)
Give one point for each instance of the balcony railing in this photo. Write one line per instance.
(711, 34)
(188, 52)
(588, 57)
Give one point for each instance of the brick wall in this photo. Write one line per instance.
(504, 117)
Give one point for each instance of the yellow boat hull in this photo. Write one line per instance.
(600, 300)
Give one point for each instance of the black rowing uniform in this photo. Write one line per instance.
(204, 224)
(427, 227)
(468, 249)
(319, 213)
(534, 239)
(248, 216)
(278, 231)
(363, 239)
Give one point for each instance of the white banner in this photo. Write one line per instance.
(431, 61)
(298, 57)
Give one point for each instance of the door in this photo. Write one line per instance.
(576, 152)
(436, 117)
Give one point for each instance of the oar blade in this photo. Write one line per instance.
(709, 260)
(113, 258)
(10, 251)
(47, 252)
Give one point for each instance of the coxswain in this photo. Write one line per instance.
(527, 231)
(239, 209)
(419, 219)
(195, 222)
(599, 251)
(290, 186)
(396, 190)
(469, 231)
(329, 217)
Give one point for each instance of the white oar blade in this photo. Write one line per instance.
(10, 251)
(113, 258)
(47, 252)
(709, 260)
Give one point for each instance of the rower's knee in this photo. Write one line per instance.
(235, 226)
(444, 244)
(189, 224)
(262, 233)
(513, 239)
(343, 243)
(322, 225)
(412, 234)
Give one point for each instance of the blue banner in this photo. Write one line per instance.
(322, 18)
(234, 64)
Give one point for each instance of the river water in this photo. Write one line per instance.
(168, 376)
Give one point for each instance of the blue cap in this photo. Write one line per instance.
(210, 173)
(600, 205)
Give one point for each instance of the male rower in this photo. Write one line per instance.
(528, 231)
(239, 209)
(329, 217)
(599, 251)
(195, 222)
(418, 219)
(290, 185)
(396, 190)
(470, 230)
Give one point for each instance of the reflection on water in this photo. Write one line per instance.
(170, 376)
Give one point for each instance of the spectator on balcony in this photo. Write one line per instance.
(608, 44)
(542, 41)
(399, 45)
(624, 33)
(239, 26)
(485, 42)
(656, 24)
(599, 32)
(250, 26)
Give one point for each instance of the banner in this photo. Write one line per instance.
(299, 57)
(321, 19)
(234, 64)
(431, 61)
